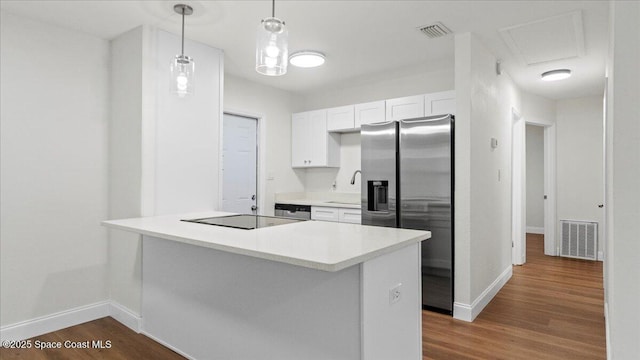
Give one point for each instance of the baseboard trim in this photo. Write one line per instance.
(60, 320)
(164, 343)
(468, 312)
(535, 230)
(607, 331)
(125, 316)
(64, 319)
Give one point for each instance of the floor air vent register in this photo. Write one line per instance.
(579, 239)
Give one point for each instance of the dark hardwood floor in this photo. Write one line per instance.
(125, 344)
(552, 308)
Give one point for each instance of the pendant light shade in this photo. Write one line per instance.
(272, 42)
(182, 67)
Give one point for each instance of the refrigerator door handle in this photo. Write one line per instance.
(382, 123)
(425, 120)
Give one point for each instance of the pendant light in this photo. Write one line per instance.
(272, 53)
(182, 66)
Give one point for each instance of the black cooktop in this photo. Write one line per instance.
(247, 222)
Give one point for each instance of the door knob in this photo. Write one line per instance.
(601, 206)
(254, 208)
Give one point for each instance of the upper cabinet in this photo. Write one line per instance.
(440, 103)
(349, 118)
(409, 107)
(311, 144)
(340, 118)
(315, 134)
(369, 113)
(405, 108)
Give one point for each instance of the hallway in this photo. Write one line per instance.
(552, 308)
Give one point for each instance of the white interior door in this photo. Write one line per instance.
(239, 164)
(518, 191)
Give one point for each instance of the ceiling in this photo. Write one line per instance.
(363, 39)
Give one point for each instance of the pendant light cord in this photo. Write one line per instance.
(273, 8)
(183, 30)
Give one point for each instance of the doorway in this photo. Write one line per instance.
(534, 181)
(519, 188)
(239, 164)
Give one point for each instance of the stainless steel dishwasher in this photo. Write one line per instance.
(293, 211)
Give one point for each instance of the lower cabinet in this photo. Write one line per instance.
(344, 215)
(353, 216)
(325, 213)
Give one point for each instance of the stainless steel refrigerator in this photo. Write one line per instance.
(407, 182)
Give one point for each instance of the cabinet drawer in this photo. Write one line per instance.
(325, 213)
(352, 216)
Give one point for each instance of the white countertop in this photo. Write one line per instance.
(320, 245)
(326, 203)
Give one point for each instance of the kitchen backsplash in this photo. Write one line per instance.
(322, 179)
(318, 196)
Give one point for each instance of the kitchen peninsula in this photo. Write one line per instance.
(309, 289)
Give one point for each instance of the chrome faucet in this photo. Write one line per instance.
(353, 178)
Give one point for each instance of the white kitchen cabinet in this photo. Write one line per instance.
(300, 151)
(311, 144)
(369, 113)
(405, 108)
(325, 213)
(353, 216)
(439, 103)
(340, 119)
(334, 214)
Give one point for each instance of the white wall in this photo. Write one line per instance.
(408, 82)
(125, 165)
(535, 177)
(622, 288)
(275, 108)
(54, 99)
(484, 103)
(579, 160)
(187, 130)
(538, 110)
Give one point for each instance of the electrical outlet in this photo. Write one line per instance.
(395, 294)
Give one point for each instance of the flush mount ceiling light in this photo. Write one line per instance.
(554, 75)
(272, 50)
(182, 66)
(306, 59)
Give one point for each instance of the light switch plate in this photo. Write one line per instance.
(395, 294)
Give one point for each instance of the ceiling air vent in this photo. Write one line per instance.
(435, 30)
